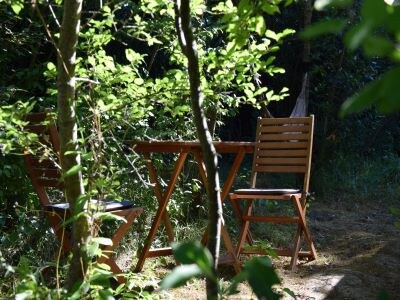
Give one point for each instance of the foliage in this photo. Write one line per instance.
(197, 261)
(358, 178)
(132, 85)
(376, 34)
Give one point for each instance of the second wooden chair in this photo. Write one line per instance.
(283, 145)
(44, 170)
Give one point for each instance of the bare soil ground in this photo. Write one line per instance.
(359, 253)
(358, 256)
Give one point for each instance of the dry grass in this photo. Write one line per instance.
(359, 254)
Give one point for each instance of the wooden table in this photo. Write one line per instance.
(182, 149)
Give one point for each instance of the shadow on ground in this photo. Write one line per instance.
(359, 254)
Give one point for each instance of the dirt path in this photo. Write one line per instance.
(359, 254)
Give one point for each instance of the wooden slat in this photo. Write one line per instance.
(283, 137)
(37, 128)
(292, 220)
(36, 117)
(279, 252)
(281, 169)
(49, 182)
(187, 146)
(283, 145)
(45, 163)
(280, 128)
(281, 161)
(159, 252)
(284, 121)
(283, 153)
(47, 173)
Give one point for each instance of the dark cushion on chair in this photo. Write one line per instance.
(60, 207)
(107, 205)
(118, 205)
(267, 191)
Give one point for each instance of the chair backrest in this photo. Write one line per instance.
(43, 165)
(283, 145)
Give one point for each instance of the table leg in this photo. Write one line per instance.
(158, 192)
(161, 211)
(224, 193)
(228, 185)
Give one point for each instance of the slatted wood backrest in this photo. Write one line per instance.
(284, 145)
(43, 165)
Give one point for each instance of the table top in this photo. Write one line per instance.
(182, 146)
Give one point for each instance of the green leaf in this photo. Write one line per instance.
(261, 277)
(334, 26)
(194, 253)
(102, 241)
(17, 6)
(324, 4)
(180, 275)
(24, 295)
(378, 46)
(271, 35)
(232, 289)
(374, 11)
(269, 7)
(259, 25)
(384, 295)
(106, 295)
(93, 248)
(74, 170)
(362, 100)
(395, 211)
(109, 216)
(290, 293)
(397, 224)
(356, 35)
(78, 289)
(383, 92)
(138, 81)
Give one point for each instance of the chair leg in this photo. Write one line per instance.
(118, 235)
(302, 228)
(296, 249)
(239, 214)
(64, 236)
(245, 226)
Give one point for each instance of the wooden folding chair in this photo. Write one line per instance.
(44, 171)
(283, 145)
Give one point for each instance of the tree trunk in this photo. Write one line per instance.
(68, 137)
(308, 10)
(185, 36)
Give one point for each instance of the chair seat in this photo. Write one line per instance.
(267, 191)
(108, 206)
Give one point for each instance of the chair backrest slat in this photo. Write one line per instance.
(284, 145)
(43, 169)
